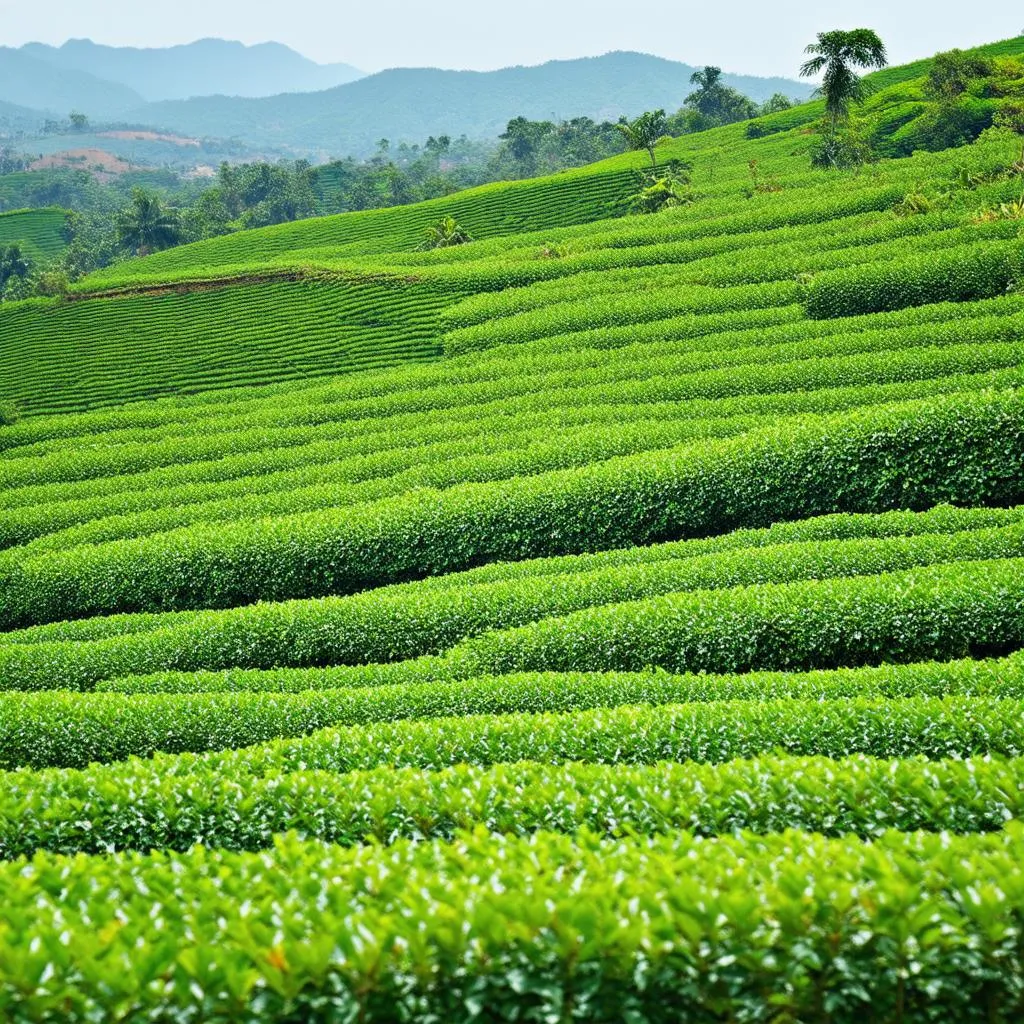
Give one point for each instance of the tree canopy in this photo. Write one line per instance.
(644, 132)
(837, 54)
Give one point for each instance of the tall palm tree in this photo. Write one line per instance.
(837, 53)
(147, 225)
(644, 132)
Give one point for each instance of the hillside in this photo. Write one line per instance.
(617, 616)
(15, 119)
(42, 234)
(413, 103)
(27, 81)
(207, 67)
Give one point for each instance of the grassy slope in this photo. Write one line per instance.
(41, 232)
(738, 480)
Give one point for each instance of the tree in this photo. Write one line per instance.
(79, 122)
(645, 132)
(14, 265)
(523, 138)
(707, 81)
(837, 53)
(712, 103)
(446, 233)
(146, 225)
(439, 146)
(952, 72)
(776, 103)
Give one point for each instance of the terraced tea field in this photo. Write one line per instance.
(40, 233)
(613, 618)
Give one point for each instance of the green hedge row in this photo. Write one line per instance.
(857, 795)
(372, 478)
(708, 732)
(964, 448)
(487, 404)
(44, 730)
(764, 260)
(959, 275)
(942, 519)
(348, 401)
(945, 611)
(605, 429)
(600, 432)
(609, 310)
(923, 928)
(405, 622)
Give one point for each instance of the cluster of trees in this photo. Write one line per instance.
(713, 104)
(20, 278)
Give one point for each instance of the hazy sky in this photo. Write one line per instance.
(755, 36)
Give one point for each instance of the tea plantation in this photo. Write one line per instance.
(619, 617)
(41, 234)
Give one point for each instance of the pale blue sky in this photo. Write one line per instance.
(754, 36)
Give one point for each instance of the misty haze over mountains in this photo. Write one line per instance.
(271, 96)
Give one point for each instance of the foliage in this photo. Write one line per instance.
(841, 147)
(707, 520)
(664, 191)
(14, 266)
(344, 549)
(446, 233)
(837, 54)
(953, 72)
(913, 204)
(645, 132)
(404, 624)
(960, 274)
(713, 104)
(146, 226)
(538, 917)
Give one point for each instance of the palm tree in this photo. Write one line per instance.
(446, 233)
(838, 53)
(708, 89)
(644, 132)
(146, 225)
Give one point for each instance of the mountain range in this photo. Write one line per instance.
(271, 97)
(412, 103)
(207, 67)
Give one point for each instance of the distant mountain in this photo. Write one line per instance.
(18, 119)
(27, 81)
(413, 103)
(208, 67)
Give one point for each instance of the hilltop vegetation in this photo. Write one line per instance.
(534, 609)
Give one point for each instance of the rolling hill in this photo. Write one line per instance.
(617, 614)
(27, 81)
(412, 103)
(207, 67)
(42, 234)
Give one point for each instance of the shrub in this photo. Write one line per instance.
(913, 455)
(131, 808)
(960, 274)
(521, 926)
(937, 612)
